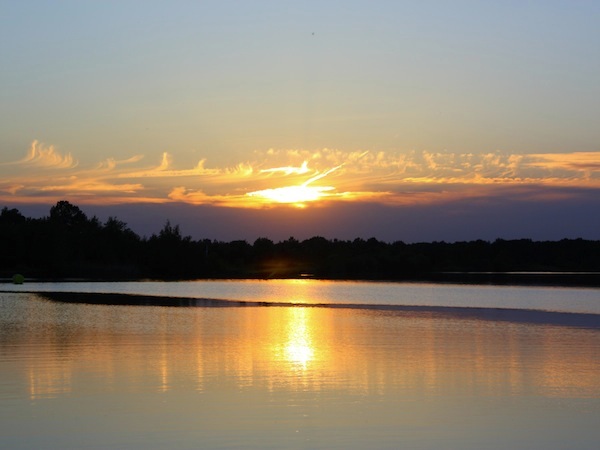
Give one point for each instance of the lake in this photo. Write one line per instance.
(376, 365)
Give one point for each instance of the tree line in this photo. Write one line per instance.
(69, 244)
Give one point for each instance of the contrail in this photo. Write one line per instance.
(320, 175)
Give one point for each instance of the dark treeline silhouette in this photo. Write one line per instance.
(68, 244)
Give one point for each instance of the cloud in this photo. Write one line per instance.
(300, 177)
(198, 197)
(75, 187)
(577, 164)
(111, 163)
(165, 170)
(41, 155)
(289, 169)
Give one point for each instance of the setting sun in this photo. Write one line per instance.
(296, 195)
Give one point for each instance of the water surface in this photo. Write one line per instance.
(106, 376)
(307, 291)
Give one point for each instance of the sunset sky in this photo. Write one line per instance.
(414, 121)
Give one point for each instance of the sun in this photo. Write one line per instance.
(297, 195)
(294, 195)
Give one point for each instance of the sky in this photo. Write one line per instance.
(403, 121)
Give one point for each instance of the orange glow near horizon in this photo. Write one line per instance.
(295, 178)
(296, 195)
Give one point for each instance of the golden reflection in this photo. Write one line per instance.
(164, 375)
(164, 359)
(299, 348)
(50, 383)
(299, 345)
(299, 291)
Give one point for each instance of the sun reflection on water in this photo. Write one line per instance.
(295, 348)
(299, 348)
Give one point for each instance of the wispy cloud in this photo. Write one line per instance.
(298, 177)
(586, 164)
(41, 155)
(289, 169)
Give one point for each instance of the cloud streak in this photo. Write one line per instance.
(40, 155)
(299, 177)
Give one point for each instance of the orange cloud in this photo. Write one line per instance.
(295, 177)
(585, 163)
(289, 169)
(44, 156)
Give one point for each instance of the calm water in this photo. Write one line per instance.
(100, 376)
(578, 300)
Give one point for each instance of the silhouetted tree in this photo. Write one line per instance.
(68, 243)
(170, 255)
(13, 239)
(66, 214)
